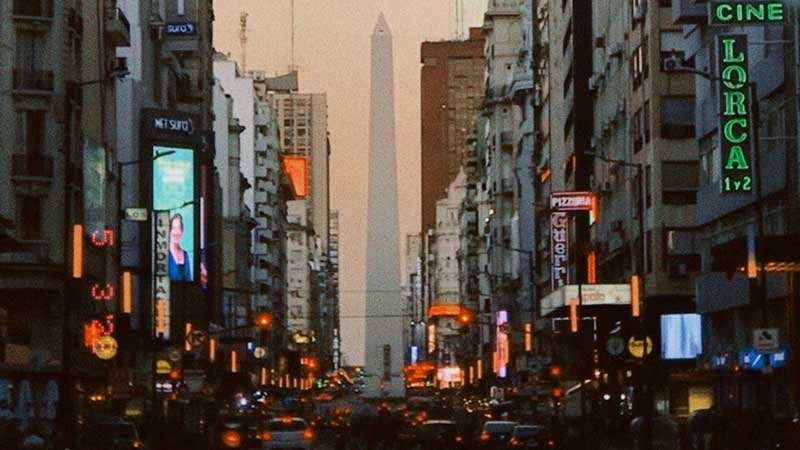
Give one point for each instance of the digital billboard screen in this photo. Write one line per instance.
(681, 336)
(173, 191)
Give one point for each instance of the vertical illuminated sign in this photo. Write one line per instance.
(431, 338)
(502, 350)
(734, 106)
(559, 250)
(161, 273)
(173, 191)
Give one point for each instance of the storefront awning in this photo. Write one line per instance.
(591, 295)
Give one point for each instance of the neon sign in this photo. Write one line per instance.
(104, 294)
(740, 13)
(734, 127)
(107, 238)
(559, 249)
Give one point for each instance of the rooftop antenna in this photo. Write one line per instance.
(292, 67)
(243, 39)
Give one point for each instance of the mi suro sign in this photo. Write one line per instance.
(734, 127)
(745, 13)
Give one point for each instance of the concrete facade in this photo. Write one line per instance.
(451, 89)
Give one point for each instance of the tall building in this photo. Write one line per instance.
(303, 127)
(736, 309)
(384, 323)
(331, 325)
(57, 169)
(451, 87)
(502, 180)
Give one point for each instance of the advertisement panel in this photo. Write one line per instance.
(559, 250)
(173, 191)
(734, 119)
(572, 201)
(296, 168)
(94, 186)
(161, 274)
(501, 354)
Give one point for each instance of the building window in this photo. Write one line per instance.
(636, 131)
(649, 243)
(709, 160)
(29, 217)
(30, 131)
(646, 120)
(679, 182)
(640, 68)
(648, 181)
(567, 82)
(567, 38)
(677, 117)
(30, 54)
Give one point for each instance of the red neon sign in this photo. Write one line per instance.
(106, 293)
(107, 238)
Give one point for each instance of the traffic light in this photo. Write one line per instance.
(555, 372)
(264, 320)
(557, 393)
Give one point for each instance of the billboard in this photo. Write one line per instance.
(173, 192)
(501, 353)
(681, 336)
(734, 120)
(559, 250)
(94, 186)
(296, 168)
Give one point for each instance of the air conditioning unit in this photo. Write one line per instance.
(638, 13)
(617, 226)
(616, 50)
(672, 63)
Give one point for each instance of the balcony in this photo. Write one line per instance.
(32, 81)
(34, 168)
(118, 29)
(506, 186)
(33, 9)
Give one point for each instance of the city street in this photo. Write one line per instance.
(399, 225)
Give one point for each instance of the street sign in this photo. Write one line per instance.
(765, 340)
(260, 352)
(174, 355)
(105, 347)
(136, 214)
(196, 338)
(637, 347)
(163, 367)
(615, 345)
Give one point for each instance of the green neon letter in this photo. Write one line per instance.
(754, 12)
(775, 11)
(728, 131)
(724, 16)
(734, 103)
(736, 159)
(734, 83)
(729, 57)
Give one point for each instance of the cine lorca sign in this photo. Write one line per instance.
(734, 129)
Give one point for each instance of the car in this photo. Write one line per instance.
(531, 437)
(112, 435)
(441, 435)
(287, 433)
(496, 434)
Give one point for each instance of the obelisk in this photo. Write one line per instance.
(384, 306)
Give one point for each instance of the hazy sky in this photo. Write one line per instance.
(332, 51)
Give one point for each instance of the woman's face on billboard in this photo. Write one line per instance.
(176, 230)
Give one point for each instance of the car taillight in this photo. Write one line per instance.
(458, 439)
(137, 444)
(484, 436)
(231, 439)
(516, 442)
(551, 443)
(266, 436)
(308, 435)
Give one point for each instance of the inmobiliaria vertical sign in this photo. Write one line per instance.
(161, 274)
